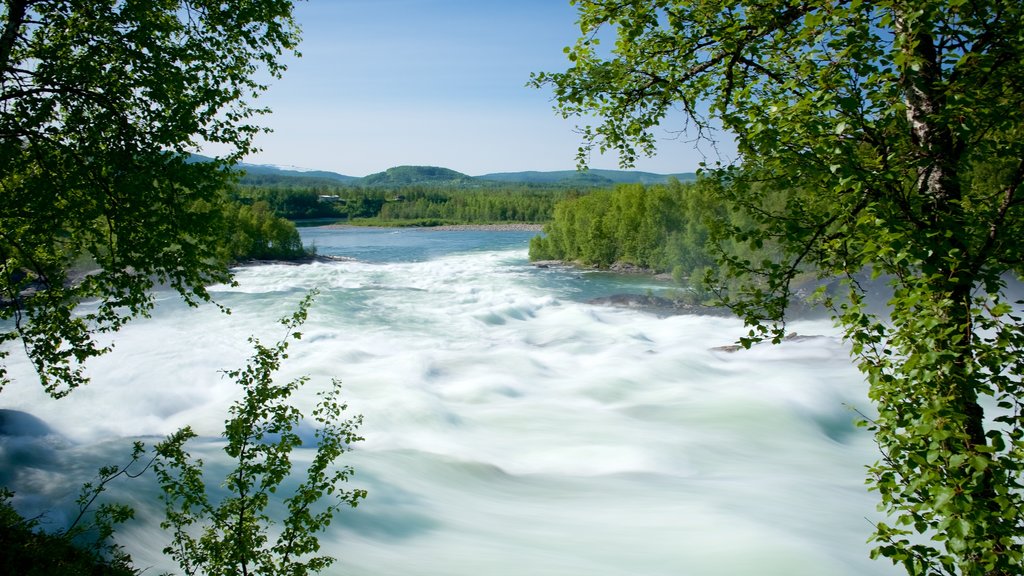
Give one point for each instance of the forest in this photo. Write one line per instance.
(415, 205)
(664, 228)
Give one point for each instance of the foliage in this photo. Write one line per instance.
(84, 546)
(100, 103)
(232, 536)
(502, 205)
(895, 130)
(293, 203)
(261, 435)
(29, 552)
(664, 228)
(254, 232)
(92, 530)
(401, 176)
(598, 177)
(409, 204)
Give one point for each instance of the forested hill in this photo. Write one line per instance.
(401, 176)
(594, 177)
(405, 176)
(271, 175)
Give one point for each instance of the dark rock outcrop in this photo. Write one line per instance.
(791, 337)
(657, 305)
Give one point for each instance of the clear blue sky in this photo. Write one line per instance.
(383, 83)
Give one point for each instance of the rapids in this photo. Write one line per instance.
(510, 427)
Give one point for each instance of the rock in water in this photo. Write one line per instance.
(17, 423)
(657, 305)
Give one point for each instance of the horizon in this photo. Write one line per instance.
(401, 82)
(301, 169)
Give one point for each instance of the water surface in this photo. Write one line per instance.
(510, 427)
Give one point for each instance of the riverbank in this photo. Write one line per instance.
(617, 268)
(508, 227)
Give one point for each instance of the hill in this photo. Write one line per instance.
(401, 176)
(267, 172)
(269, 175)
(596, 177)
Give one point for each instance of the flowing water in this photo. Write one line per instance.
(510, 427)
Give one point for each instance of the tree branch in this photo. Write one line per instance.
(1010, 199)
(16, 11)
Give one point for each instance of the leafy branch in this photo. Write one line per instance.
(231, 536)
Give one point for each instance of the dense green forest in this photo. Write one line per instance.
(681, 228)
(589, 177)
(425, 195)
(662, 228)
(294, 202)
(409, 205)
(254, 232)
(503, 205)
(402, 176)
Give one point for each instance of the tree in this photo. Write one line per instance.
(215, 532)
(101, 102)
(230, 535)
(895, 130)
(254, 232)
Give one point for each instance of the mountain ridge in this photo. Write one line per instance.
(596, 175)
(411, 175)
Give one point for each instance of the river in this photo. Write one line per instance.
(510, 427)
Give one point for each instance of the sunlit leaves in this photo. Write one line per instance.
(893, 133)
(225, 536)
(100, 103)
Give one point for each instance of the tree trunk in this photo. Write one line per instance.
(16, 10)
(938, 183)
(950, 279)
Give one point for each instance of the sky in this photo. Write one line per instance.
(383, 83)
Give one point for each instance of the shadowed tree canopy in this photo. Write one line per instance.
(101, 102)
(895, 133)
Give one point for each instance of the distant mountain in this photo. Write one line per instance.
(400, 176)
(266, 174)
(595, 177)
(432, 175)
(291, 172)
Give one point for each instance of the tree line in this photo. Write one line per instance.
(254, 232)
(408, 205)
(664, 228)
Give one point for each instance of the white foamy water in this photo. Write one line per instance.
(510, 429)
